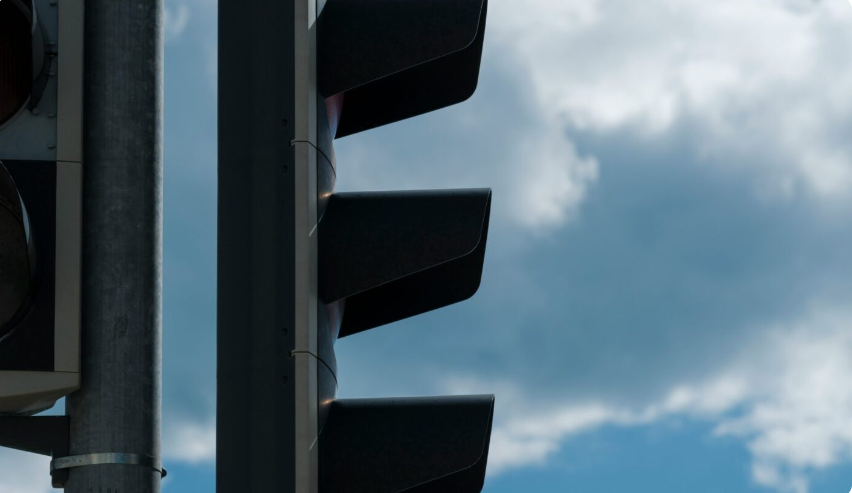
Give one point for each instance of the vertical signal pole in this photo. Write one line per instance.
(267, 304)
(118, 409)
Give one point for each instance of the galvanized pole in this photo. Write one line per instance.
(117, 411)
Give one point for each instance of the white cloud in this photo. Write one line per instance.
(539, 178)
(549, 187)
(175, 20)
(189, 441)
(530, 441)
(800, 404)
(766, 80)
(786, 395)
(21, 472)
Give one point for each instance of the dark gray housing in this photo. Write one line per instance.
(41, 152)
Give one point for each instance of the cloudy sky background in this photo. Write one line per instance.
(667, 296)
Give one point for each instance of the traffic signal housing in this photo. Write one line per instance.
(41, 72)
(300, 266)
(387, 256)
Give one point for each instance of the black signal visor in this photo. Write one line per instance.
(416, 445)
(393, 255)
(393, 60)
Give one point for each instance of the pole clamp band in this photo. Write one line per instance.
(100, 459)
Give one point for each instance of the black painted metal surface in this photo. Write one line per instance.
(43, 435)
(256, 433)
(393, 255)
(413, 445)
(393, 60)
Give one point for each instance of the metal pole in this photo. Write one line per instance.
(117, 411)
(256, 292)
(267, 307)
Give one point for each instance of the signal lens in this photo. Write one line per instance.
(16, 254)
(16, 58)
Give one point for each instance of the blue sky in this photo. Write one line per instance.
(666, 298)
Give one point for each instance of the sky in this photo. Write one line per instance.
(667, 297)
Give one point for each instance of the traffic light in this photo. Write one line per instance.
(301, 266)
(41, 96)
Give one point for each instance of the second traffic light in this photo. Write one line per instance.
(300, 266)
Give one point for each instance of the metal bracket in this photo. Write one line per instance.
(44, 435)
(86, 460)
(50, 435)
(309, 353)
